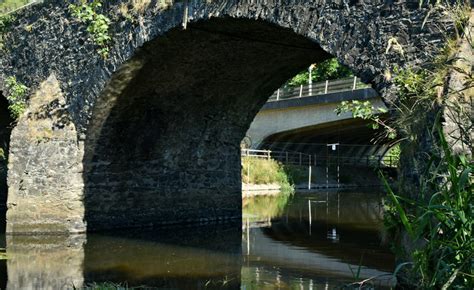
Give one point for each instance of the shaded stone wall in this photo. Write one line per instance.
(157, 124)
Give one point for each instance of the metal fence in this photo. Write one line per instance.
(303, 159)
(327, 87)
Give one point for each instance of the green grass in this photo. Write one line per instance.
(265, 171)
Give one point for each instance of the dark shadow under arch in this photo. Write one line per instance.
(164, 148)
(5, 131)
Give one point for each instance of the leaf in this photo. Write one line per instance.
(399, 208)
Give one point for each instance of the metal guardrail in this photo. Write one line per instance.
(322, 88)
(303, 159)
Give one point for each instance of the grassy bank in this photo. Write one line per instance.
(266, 171)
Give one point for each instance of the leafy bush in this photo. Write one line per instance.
(16, 97)
(265, 171)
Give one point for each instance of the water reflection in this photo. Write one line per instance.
(45, 262)
(277, 249)
(320, 239)
(265, 207)
(185, 258)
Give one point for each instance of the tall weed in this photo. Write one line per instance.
(440, 224)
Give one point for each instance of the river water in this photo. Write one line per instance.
(277, 248)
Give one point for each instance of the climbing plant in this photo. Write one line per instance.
(16, 97)
(97, 24)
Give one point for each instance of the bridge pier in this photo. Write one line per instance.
(45, 168)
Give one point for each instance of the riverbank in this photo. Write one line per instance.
(253, 190)
(267, 177)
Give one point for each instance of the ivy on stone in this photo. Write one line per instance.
(16, 97)
(97, 23)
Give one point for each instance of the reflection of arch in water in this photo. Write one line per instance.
(318, 259)
(178, 258)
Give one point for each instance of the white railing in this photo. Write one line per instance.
(299, 158)
(322, 88)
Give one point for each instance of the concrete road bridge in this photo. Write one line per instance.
(303, 119)
(299, 125)
(150, 134)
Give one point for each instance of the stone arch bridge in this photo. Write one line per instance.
(150, 135)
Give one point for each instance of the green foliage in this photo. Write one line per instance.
(365, 110)
(412, 84)
(394, 154)
(441, 222)
(16, 97)
(5, 23)
(329, 69)
(97, 24)
(265, 171)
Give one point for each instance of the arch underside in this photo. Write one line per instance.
(166, 149)
(356, 139)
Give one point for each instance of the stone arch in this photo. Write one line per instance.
(168, 149)
(93, 94)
